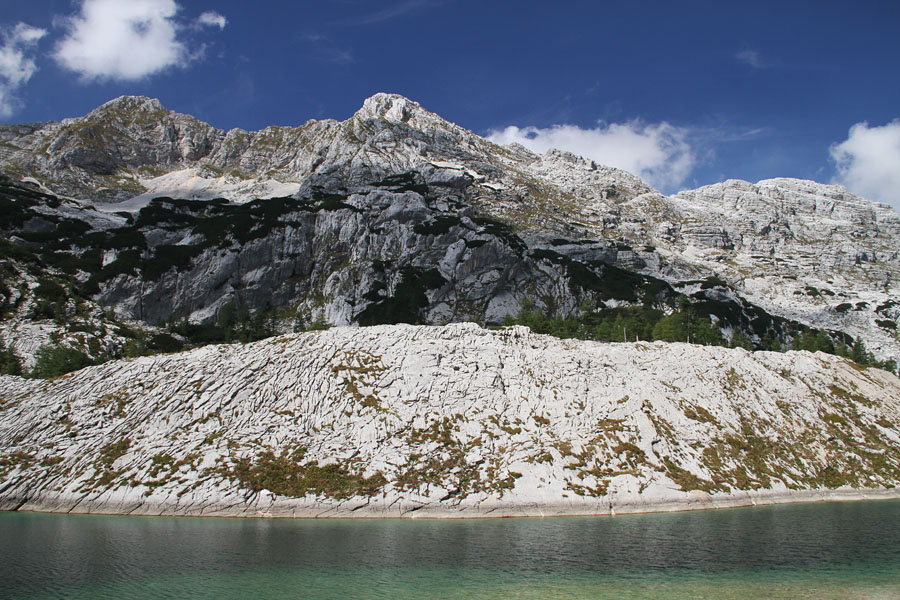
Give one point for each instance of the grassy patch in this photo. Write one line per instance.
(699, 414)
(285, 475)
(686, 480)
(18, 459)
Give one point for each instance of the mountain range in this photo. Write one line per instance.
(398, 215)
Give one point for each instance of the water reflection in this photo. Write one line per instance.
(764, 551)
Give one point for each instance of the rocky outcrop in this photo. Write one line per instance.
(447, 421)
(800, 249)
(132, 146)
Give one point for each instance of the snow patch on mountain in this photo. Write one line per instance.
(201, 184)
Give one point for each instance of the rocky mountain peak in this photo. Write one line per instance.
(127, 110)
(391, 107)
(399, 111)
(132, 103)
(786, 198)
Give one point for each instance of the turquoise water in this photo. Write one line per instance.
(829, 550)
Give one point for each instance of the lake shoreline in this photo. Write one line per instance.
(822, 550)
(293, 508)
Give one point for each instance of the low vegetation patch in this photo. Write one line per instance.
(286, 474)
(692, 322)
(10, 364)
(407, 302)
(53, 361)
(18, 459)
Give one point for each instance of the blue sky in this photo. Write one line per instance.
(682, 93)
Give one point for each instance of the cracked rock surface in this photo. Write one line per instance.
(447, 421)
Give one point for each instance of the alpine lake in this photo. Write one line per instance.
(818, 550)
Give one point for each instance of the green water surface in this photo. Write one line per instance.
(824, 550)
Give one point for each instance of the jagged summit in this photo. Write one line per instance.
(132, 102)
(393, 107)
(783, 197)
(836, 192)
(125, 112)
(400, 110)
(390, 107)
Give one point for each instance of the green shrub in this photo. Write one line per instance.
(167, 257)
(407, 302)
(319, 324)
(163, 342)
(9, 362)
(53, 361)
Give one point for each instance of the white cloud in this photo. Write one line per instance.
(658, 153)
(16, 63)
(121, 40)
(212, 19)
(127, 40)
(868, 162)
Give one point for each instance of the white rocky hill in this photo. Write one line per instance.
(447, 421)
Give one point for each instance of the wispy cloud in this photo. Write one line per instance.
(868, 162)
(212, 19)
(659, 153)
(16, 63)
(394, 11)
(325, 49)
(718, 134)
(751, 58)
(758, 61)
(112, 39)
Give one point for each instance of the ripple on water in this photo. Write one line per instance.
(821, 551)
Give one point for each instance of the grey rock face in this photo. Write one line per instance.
(398, 250)
(774, 242)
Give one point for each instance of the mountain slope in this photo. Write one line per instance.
(802, 251)
(444, 421)
(399, 250)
